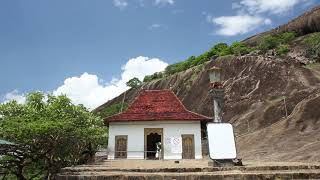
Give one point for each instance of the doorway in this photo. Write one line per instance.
(121, 147)
(188, 146)
(153, 143)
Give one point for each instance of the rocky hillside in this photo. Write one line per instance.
(304, 24)
(272, 101)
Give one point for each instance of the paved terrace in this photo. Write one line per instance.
(189, 170)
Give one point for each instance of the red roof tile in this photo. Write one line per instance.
(156, 105)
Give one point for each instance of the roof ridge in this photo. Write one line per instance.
(148, 106)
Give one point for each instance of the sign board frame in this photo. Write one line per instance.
(221, 135)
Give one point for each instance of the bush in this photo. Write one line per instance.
(283, 49)
(155, 75)
(220, 49)
(286, 37)
(268, 42)
(313, 42)
(238, 48)
(273, 41)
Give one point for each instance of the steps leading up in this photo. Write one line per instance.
(188, 170)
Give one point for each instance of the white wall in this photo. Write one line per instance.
(135, 133)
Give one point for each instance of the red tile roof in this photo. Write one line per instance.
(156, 105)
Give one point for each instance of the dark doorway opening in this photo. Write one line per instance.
(152, 140)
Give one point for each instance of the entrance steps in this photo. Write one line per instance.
(188, 170)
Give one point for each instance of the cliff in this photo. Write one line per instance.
(273, 102)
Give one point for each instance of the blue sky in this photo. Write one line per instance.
(88, 49)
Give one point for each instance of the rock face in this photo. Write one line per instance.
(304, 24)
(258, 94)
(272, 102)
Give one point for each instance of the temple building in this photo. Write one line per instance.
(155, 126)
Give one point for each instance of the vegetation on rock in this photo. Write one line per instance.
(133, 83)
(278, 42)
(313, 42)
(220, 49)
(113, 109)
(49, 134)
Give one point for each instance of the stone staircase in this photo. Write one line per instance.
(187, 170)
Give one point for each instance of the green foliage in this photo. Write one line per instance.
(220, 49)
(313, 41)
(287, 37)
(282, 49)
(134, 83)
(49, 134)
(238, 48)
(156, 75)
(268, 42)
(113, 109)
(273, 41)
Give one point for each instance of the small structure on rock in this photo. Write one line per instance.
(155, 126)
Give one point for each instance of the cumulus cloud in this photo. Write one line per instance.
(14, 95)
(269, 6)
(163, 2)
(121, 4)
(88, 90)
(241, 24)
(251, 14)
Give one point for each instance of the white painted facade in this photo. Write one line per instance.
(135, 134)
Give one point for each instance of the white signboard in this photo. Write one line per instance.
(174, 144)
(221, 141)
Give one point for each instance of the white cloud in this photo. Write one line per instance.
(267, 21)
(163, 2)
(121, 4)
(251, 14)
(87, 89)
(154, 26)
(14, 95)
(157, 26)
(269, 6)
(240, 24)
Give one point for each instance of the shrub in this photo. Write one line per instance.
(282, 49)
(155, 75)
(238, 48)
(268, 42)
(313, 41)
(273, 41)
(286, 37)
(220, 49)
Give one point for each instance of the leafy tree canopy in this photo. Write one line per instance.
(49, 133)
(134, 83)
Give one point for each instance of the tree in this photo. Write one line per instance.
(134, 83)
(220, 49)
(49, 133)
